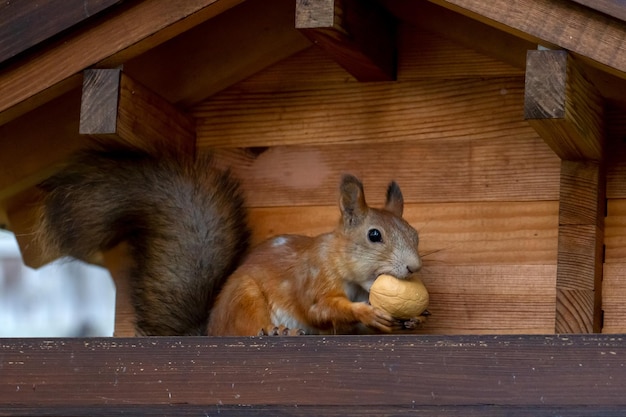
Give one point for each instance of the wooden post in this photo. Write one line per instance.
(566, 110)
(358, 34)
(115, 107)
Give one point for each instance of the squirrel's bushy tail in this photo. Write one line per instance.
(183, 218)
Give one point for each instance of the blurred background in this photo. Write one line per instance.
(64, 299)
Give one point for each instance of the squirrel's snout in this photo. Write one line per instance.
(414, 267)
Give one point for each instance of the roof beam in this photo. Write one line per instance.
(26, 23)
(131, 30)
(114, 106)
(358, 34)
(563, 106)
(588, 32)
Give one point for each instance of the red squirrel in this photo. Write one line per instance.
(319, 285)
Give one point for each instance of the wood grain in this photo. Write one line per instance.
(251, 376)
(450, 234)
(563, 106)
(128, 32)
(490, 299)
(34, 144)
(614, 297)
(24, 24)
(116, 107)
(118, 262)
(500, 169)
(468, 33)
(358, 34)
(365, 113)
(184, 70)
(615, 231)
(541, 21)
(613, 8)
(582, 205)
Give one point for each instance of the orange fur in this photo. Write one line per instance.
(320, 284)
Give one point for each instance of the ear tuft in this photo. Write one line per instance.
(395, 200)
(352, 200)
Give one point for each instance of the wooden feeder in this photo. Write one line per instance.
(502, 122)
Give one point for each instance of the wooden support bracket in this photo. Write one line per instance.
(566, 110)
(563, 106)
(358, 34)
(115, 107)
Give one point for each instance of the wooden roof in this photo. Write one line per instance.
(171, 47)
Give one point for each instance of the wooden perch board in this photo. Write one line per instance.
(350, 376)
(358, 34)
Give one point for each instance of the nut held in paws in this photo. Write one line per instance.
(402, 299)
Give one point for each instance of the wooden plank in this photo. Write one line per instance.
(349, 374)
(118, 262)
(131, 30)
(24, 24)
(492, 42)
(177, 69)
(451, 234)
(499, 169)
(590, 34)
(364, 112)
(581, 247)
(615, 231)
(427, 54)
(358, 34)
(613, 8)
(114, 106)
(616, 152)
(34, 144)
(563, 106)
(421, 55)
(490, 299)
(472, 34)
(614, 297)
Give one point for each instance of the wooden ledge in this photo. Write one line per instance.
(341, 375)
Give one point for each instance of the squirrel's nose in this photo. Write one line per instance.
(412, 268)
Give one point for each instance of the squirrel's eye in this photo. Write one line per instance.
(374, 235)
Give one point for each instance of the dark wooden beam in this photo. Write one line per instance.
(358, 34)
(567, 111)
(613, 8)
(347, 375)
(25, 23)
(563, 106)
(114, 106)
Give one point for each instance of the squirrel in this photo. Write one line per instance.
(185, 223)
(183, 219)
(293, 284)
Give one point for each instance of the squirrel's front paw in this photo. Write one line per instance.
(415, 323)
(374, 317)
(282, 331)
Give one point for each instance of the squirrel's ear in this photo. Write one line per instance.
(395, 201)
(352, 200)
